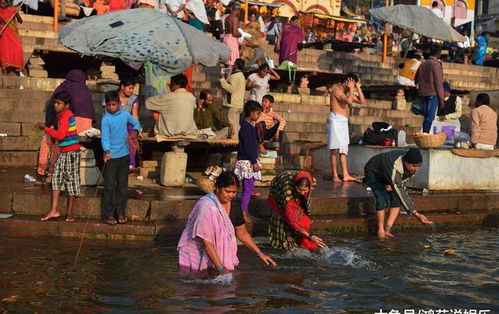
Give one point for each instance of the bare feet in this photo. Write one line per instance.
(50, 216)
(122, 220)
(389, 234)
(336, 180)
(381, 235)
(70, 219)
(349, 179)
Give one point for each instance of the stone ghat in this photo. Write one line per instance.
(153, 219)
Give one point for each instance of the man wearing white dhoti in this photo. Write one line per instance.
(337, 123)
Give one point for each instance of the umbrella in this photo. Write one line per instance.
(419, 20)
(144, 35)
(30, 3)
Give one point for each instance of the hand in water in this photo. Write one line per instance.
(319, 242)
(267, 260)
(424, 220)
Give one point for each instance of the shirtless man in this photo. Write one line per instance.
(337, 123)
(232, 34)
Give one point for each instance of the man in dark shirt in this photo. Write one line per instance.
(430, 79)
(216, 27)
(387, 174)
(207, 116)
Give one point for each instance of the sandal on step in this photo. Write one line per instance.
(122, 220)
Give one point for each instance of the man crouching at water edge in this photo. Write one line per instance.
(337, 133)
(387, 174)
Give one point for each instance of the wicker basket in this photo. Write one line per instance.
(429, 140)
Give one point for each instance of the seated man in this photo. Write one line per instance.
(270, 125)
(207, 116)
(176, 110)
(408, 71)
(483, 124)
(447, 117)
(452, 109)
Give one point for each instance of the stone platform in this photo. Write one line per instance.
(441, 169)
(156, 212)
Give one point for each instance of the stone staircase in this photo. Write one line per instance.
(306, 114)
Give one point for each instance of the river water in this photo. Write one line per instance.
(356, 275)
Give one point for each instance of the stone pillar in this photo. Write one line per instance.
(37, 67)
(173, 167)
(89, 173)
(108, 72)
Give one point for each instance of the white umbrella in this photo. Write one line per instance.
(419, 20)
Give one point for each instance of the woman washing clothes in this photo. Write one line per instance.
(290, 201)
(11, 48)
(209, 239)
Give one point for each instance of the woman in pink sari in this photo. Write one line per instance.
(209, 239)
(11, 48)
(291, 36)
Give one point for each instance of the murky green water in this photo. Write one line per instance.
(355, 276)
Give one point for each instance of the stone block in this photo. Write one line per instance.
(6, 202)
(34, 204)
(171, 210)
(89, 176)
(150, 164)
(150, 173)
(36, 61)
(18, 143)
(18, 159)
(173, 167)
(87, 163)
(39, 73)
(11, 129)
(87, 154)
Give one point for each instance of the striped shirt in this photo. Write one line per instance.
(269, 117)
(66, 133)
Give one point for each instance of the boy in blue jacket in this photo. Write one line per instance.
(116, 156)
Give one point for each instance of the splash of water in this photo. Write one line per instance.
(220, 280)
(332, 256)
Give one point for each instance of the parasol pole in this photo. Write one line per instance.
(56, 15)
(385, 40)
(11, 18)
(246, 11)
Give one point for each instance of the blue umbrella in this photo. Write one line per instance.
(144, 35)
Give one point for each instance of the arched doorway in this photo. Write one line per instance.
(460, 10)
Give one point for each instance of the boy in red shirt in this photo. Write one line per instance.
(67, 168)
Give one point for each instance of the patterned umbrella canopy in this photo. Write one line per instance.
(144, 35)
(419, 20)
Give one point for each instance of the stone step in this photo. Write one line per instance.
(21, 116)
(25, 94)
(291, 137)
(29, 25)
(10, 128)
(309, 127)
(384, 113)
(37, 19)
(301, 108)
(18, 143)
(38, 33)
(18, 159)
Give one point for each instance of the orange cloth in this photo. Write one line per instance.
(101, 7)
(188, 73)
(83, 124)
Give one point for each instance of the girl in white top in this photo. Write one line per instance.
(258, 82)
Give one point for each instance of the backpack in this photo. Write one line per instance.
(380, 132)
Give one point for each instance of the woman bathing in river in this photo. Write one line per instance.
(290, 201)
(209, 239)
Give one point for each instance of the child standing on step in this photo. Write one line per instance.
(116, 157)
(247, 167)
(67, 168)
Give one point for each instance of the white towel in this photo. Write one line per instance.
(337, 132)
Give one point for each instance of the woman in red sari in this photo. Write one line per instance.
(11, 49)
(289, 201)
